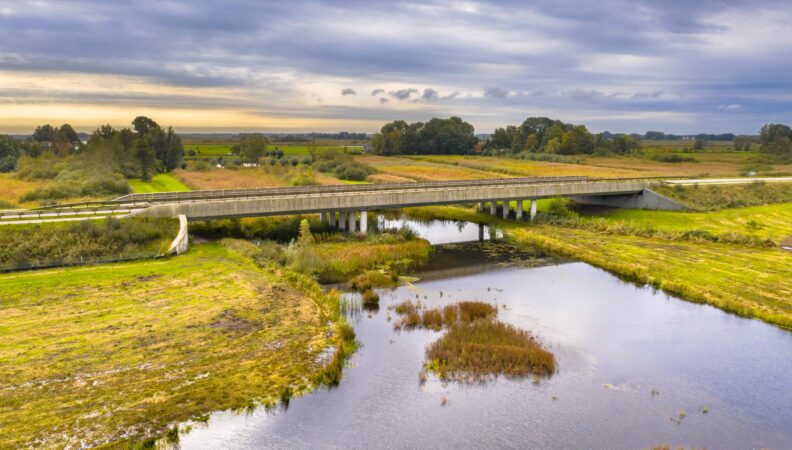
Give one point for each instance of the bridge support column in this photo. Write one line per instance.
(332, 218)
(322, 217)
(519, 209)
(352, 223)
(533, 209)
(494, 208)
(482, 206)
(505, 209)
(342, 220)
(363, 221)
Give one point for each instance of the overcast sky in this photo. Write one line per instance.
(681, 66)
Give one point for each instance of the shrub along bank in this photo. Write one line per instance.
(86, 241)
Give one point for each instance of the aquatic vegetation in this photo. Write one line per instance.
(370, 298)
(476, 346)
(486, 348)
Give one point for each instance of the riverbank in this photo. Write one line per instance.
(746, 280)
(120, 352)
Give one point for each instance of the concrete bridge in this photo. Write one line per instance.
(347, 206)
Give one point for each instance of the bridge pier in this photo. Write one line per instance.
(363, 221)
(352, 222)
(342, 220)
(519, 215)
(322, 217)
(494, 208)
(332, 217)
(505, 209)
(482, 205)
(533, 209)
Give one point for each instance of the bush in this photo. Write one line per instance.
(342, 165)
(673, 158)
(83, 241)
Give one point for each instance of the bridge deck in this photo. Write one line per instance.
(319, 200)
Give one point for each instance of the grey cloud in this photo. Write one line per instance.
(377, 92)
(383, 100)
(403, 94)
(495, 92)
(429, 94)
(348, 91)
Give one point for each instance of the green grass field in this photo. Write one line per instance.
(161, 182)
(773, 222)
(124, 350)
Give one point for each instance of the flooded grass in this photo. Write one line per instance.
(476, 347)
(483, 349)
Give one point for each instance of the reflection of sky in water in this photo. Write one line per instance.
(442, 232)
(615, 343)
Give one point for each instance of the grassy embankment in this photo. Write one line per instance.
(747, 280)
(125, 351)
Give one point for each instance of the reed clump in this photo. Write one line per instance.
(476, 346)
(416, 315)
(485, 348)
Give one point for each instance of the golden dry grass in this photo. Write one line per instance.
(253, 177)
(424, 171)
(11, 188)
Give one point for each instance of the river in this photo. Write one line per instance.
(637, 368)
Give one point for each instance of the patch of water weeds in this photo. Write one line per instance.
(476, 347)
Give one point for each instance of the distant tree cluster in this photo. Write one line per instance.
(251, 148)
(775, 139)
(545, 135)
(96, 167)
(340, 136)
(660, 136)
(437, 136)
(141, 151)
(62, 141)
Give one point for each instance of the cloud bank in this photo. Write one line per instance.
(674, 65)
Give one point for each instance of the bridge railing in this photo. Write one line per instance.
(231, 193)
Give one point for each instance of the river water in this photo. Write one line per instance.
(637, 368)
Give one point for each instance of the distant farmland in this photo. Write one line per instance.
(212, 149)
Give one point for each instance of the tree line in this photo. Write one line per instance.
(534, 135)
(543, 135)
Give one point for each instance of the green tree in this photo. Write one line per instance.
(146, 158)
(142, 124)
(251, 148)
(9, 153)
(44, 133)
(66, 140)
(775, 139)
(301, 253)
(438, 136)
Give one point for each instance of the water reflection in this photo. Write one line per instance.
(637, 368)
